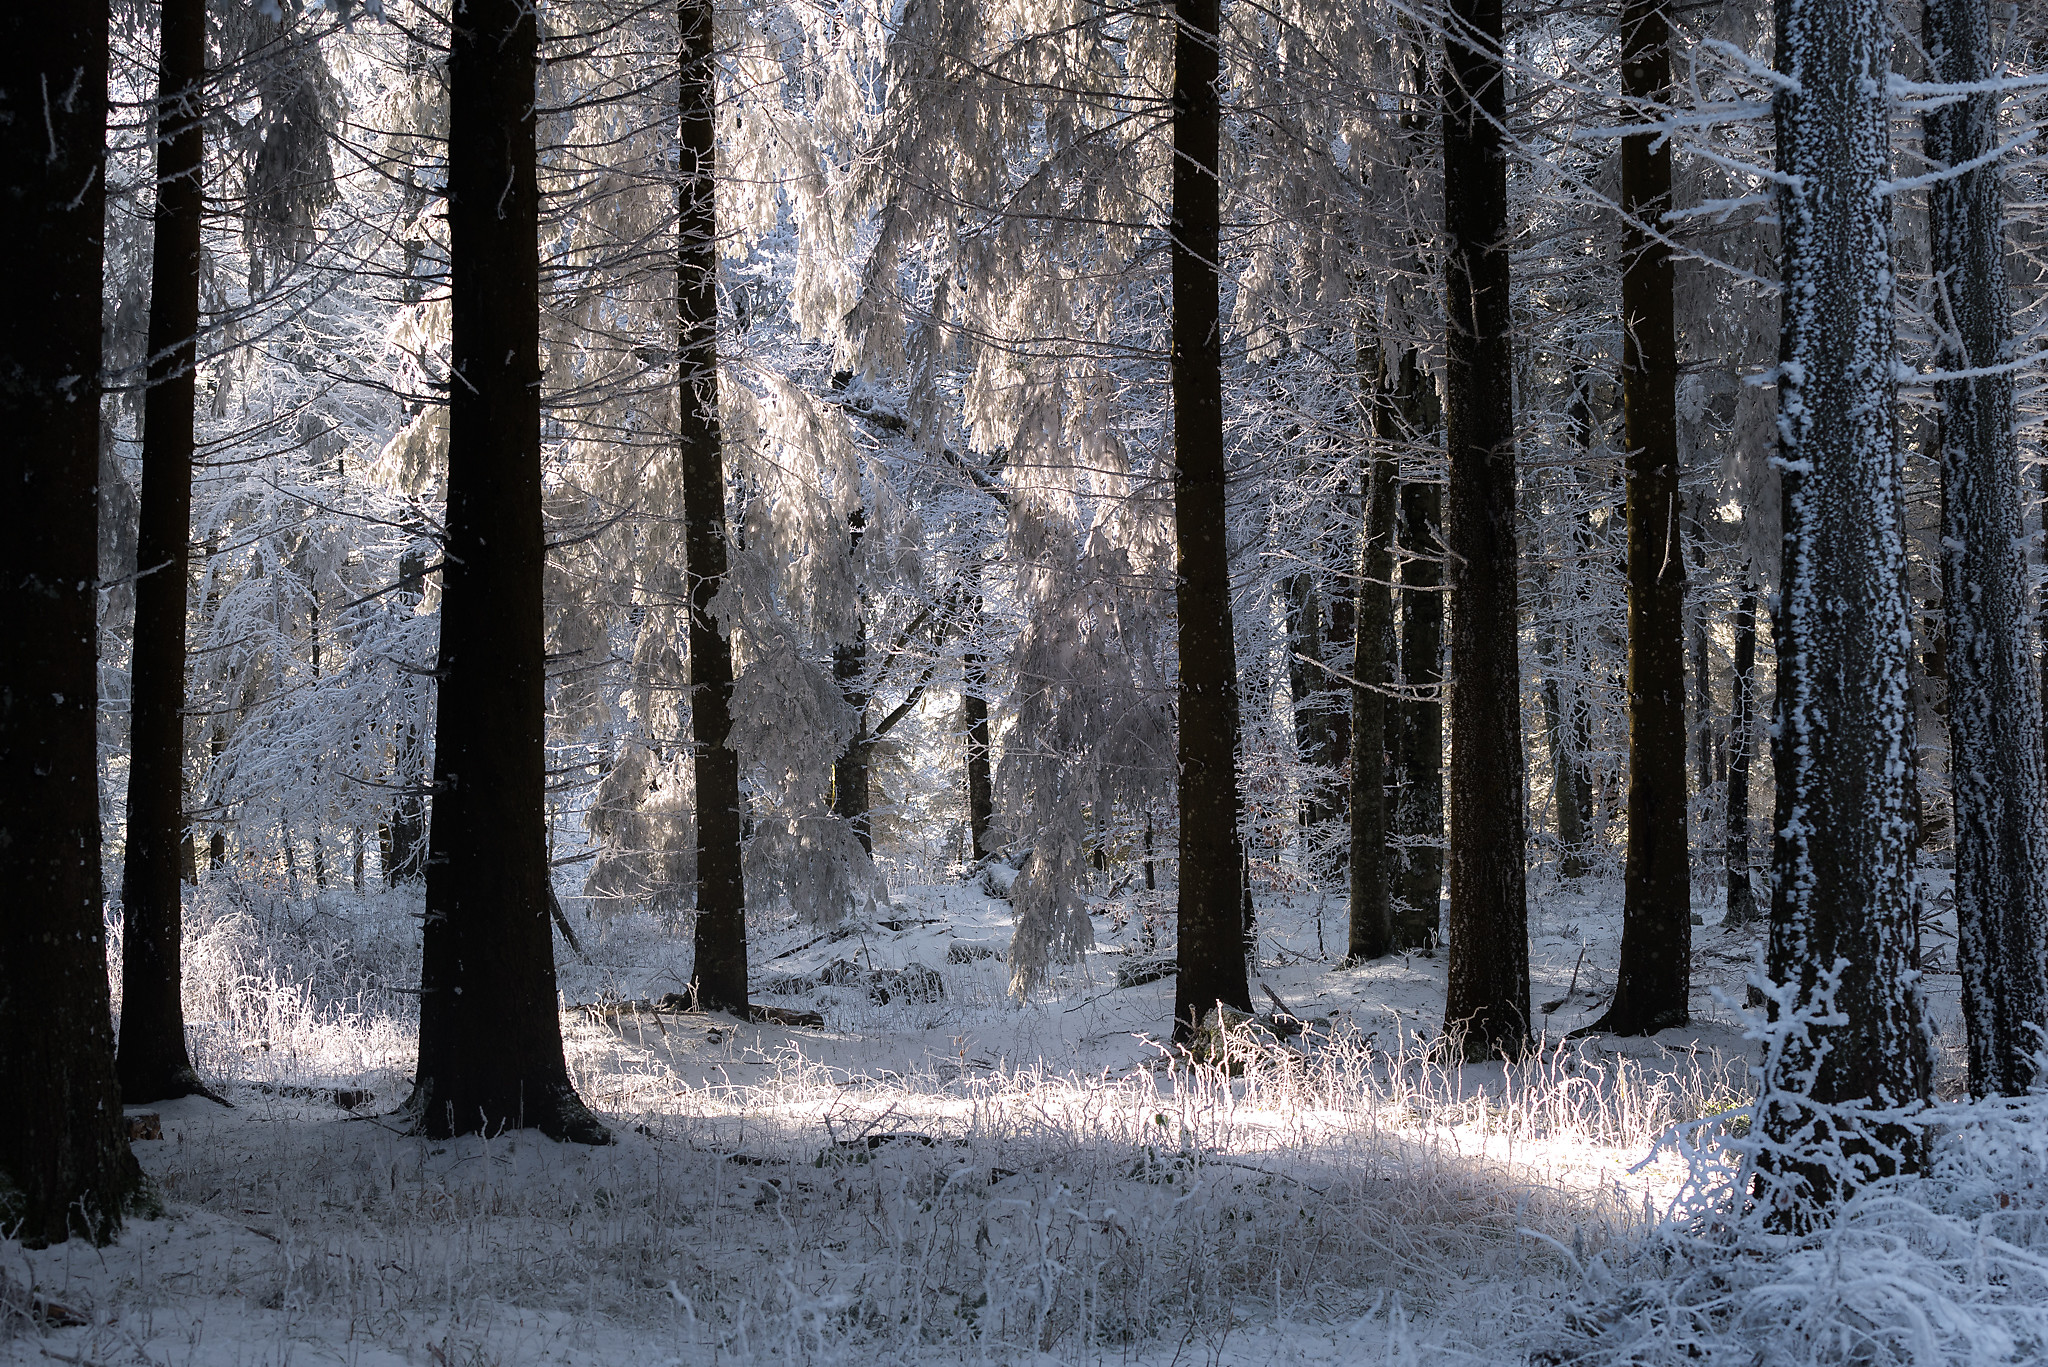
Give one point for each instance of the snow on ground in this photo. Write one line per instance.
(933, 1177)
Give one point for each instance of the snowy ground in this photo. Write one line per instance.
(959, 1179)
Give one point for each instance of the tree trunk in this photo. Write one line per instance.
(1372, 921)
(404, 840)
(1419, 786)
(490, 1053)
(850, 771)
(153, 1064)
(1309, 685)
(1212, 920)
(1742, 908)
(1994, 711)
(1654, 982)
(981, 802)
(1844, 893)
(1487, 999)
(65, 1167)
(721, 931)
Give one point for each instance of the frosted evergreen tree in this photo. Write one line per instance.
(2001, 832)
(1846, 1056)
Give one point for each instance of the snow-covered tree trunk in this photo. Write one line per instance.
(65, 1167)
(1846, 1017)
(1212, 920)
(1653, 983)
(490, 1052)
(2001, 823)
(153, 1063)
(1488, 993)
(721, 927)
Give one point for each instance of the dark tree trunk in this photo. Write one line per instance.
(1212, 919)
(1309, 685)
(1487, 999)
(153, 1064)
(1372, 921)
(404, 839)
(1572, 789)
(1844, 892)
(1419, 788)
(1742, 908)
(1340, 632)
(981, 803)
(1565, 783)
(850, 802)
(1654, 982)
(490, 1035)
(721, 932)
(1994, 711)
(65, 1167)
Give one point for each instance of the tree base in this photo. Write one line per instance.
(560, 1115)
(181, 1080)
(1614, 1023)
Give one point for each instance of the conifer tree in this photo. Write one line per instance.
(153, 1062)
(1843, 918)
(65, 1168)
(1653, 983)
(1212, 922)
(490, 1054)
(1488, 994)
(1994, 711)
(721, 932)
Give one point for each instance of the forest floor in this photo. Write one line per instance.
(942, 1176)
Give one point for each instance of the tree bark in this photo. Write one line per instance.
(404, 841)
(1742, 908)
(981, 803)
(1419, 786)
(721, 930)
(1654, 981)
(1487, 999)
(1308, 684)
(490, 1053)
(1844, 898)
(1372, 914)
(65, 1167)
(1994, 711)
(1212, 919)
(153, 1064)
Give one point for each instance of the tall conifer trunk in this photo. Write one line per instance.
(1654, 982)
(1994, 711)
(1488, 994)
(721, 890)
(1742, 908)
(1419, 788)
(981, 805)
(1844, 892)
(65, 1167)
(1212, 917)
(490, 1034)
(153, 1063)
(1372, 919)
